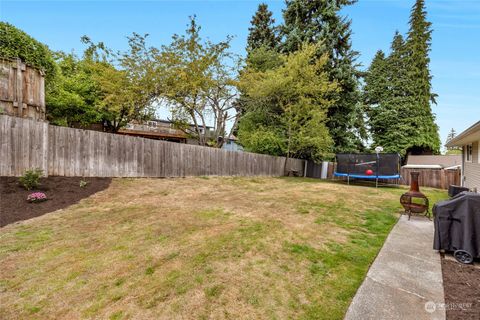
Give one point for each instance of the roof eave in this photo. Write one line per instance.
(462, 138)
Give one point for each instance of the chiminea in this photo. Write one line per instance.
(414, 201)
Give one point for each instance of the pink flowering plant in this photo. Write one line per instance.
(37, 197)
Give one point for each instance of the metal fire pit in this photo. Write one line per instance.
(413, 201)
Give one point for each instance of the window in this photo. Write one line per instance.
(478, 149)
(468, 153)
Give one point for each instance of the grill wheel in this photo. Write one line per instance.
(463, 256)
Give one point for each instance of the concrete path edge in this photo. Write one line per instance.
(405, 280)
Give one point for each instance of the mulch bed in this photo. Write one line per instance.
(461, 284)
(61, 192)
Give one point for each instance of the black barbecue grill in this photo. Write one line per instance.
(457, 226)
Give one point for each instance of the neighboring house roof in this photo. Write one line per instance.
(232, 137)
(169, 133)
(422, 166)
(468, 136)
(171, 122)
(444, 161)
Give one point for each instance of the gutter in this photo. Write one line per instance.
(471, 129)
(422, 166)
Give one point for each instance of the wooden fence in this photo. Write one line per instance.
(61, 151)
(435, 178)
(22, 90)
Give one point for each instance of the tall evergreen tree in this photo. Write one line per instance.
(262, 51)
(452, 150)
(319, 21)
(388, 110)
(262, 33)
(376, 86)
(375, 93)
(398, 92)
(452, 134)
(418, 47)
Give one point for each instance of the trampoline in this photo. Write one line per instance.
(380, 166)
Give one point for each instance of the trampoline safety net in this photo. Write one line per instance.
(370, 166)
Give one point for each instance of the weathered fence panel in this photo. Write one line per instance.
(22, 90)
(23, 145)
(62, 151)
(435, 178)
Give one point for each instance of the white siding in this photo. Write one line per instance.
(472, 169)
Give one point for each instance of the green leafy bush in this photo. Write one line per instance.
(18, 44)
(31, 178)
(83, 183)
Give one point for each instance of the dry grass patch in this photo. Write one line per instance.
(193, 248)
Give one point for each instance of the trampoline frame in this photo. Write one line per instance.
(370, 177)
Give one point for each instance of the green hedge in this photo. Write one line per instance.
(14, 43)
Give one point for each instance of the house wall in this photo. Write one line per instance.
(232, 146)
(471, 170)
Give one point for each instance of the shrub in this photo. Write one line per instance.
(31, 178)
(17, 44)
(83, 183)
(36, 197)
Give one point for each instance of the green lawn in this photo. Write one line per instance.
(198, 248)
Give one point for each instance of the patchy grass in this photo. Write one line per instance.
(198, 248)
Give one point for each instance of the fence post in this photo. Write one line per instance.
(443, 179)
(45, 156)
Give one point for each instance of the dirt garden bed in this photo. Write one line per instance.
(61, 192)
(462, 289)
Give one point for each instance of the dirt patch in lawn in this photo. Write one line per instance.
(462, 289)
(61, 192)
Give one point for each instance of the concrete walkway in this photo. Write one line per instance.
(405, 280)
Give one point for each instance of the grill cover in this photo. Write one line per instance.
(457, 223)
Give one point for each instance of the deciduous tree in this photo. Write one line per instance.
(288, 107)
(103, 86)
(199, 84)
(127, 81)
(74, 97)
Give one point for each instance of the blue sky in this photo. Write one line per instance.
(455, 56)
